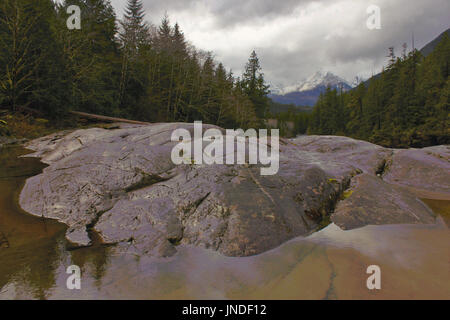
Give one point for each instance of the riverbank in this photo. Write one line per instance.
(16, 128)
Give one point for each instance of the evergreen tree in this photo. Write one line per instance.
(355, 124)
(31, 66)
(254, 86)
(135, 42)
(408, 105)
(92, 59)
(135, 31)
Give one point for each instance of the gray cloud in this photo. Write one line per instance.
(234, 12)
(295, 38)
(227, 13)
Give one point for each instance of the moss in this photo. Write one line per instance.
(22, 126)
(347, 194)
(41, 121)
(325, 222)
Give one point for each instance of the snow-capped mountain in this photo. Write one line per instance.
(306, 92)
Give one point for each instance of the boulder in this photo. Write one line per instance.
(427, 169)
(371, 201)
(123, 185)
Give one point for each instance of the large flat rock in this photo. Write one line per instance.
(363, 155)
(123, 185)
(427, 168)
(371, 201)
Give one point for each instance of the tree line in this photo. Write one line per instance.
(407, 105)
(127, 68)
(133, 69)
(290, 119)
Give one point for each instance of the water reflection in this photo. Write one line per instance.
(330, 264)
(440, 207)
(93, 261)
(35, 249)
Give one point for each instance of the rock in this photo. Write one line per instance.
(363, 155)
(427, 168)
(145, 224)
(77, 235)
(122, 184)
(371, 201)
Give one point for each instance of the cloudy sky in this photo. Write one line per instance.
(296, 38)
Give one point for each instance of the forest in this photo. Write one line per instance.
(133, 69)
(406, 106)
(126, 68)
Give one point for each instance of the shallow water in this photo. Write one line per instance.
(331, 264)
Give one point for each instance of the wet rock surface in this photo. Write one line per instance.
(122, 185)
(427, 168)
(371, 201)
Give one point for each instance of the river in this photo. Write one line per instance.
(330, 264)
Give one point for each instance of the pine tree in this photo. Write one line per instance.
(408, 105)
(254, 86)
(355, 124)
(165, 35)
(92, 57)
(135, 40)
(135, 31)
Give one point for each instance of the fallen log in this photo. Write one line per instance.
(105, 118)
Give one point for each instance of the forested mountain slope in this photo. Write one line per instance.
(407, 105)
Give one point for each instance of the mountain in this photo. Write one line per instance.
(430, 46)
(306, 93)
(425, 51)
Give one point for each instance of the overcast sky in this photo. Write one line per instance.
(296, 38)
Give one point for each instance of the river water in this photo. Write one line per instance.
(330, 264)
